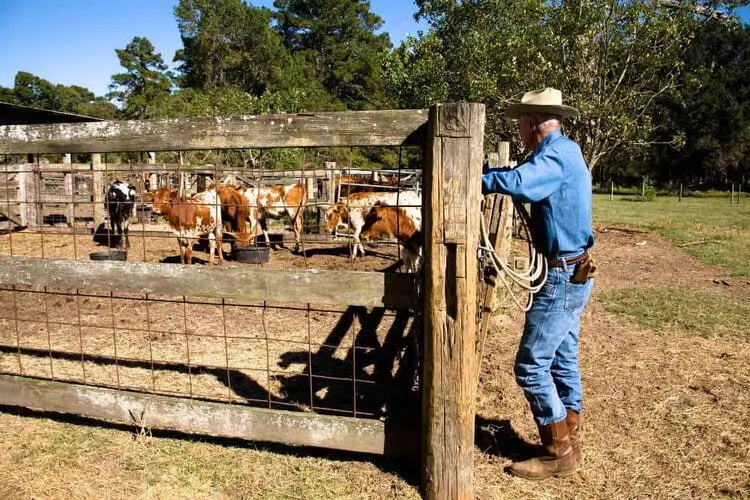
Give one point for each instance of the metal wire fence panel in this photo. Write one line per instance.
(306, 356)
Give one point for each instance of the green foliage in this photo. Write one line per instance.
(338, 38)
(31, 90)
(610, 58)
(707, 118)
(145, 79)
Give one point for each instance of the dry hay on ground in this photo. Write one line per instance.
(665, 417)
(257, 353)
(665, 413)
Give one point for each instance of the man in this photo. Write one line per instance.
(556, 181)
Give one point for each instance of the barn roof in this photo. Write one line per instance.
(15, 114)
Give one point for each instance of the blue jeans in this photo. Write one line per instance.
(547, 362)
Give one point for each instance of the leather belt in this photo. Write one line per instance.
(570, 261)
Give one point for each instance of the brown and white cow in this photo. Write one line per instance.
(235, 213)
(396, 223)
(357, 206)
(190, 218)
(274, 202)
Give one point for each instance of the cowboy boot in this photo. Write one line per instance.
(558, 459)
(573, 420)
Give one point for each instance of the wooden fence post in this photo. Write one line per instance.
(69, 192)
(503, 151)
(452, 208)
(97, 190)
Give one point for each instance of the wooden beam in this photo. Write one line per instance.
(201, 417)
(452, 207)
(348, 128)
(97, 189)
(370, 289)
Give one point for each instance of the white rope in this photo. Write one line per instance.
(532, 280)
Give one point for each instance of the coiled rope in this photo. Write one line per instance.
(533, 279)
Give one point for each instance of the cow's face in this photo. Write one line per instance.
(333, 217)
(162, 199)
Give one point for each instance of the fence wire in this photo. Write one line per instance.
(353, 361)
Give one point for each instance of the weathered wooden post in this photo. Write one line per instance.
(452, 210)
(69, 191)
(611, 190)
(97, 189)
(680, 192)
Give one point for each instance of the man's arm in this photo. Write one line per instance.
(530, 182)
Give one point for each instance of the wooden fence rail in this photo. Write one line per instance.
(370, 289)
(453, 138)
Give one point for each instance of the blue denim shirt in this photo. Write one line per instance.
(557, 183)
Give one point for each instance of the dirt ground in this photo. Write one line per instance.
(665, 413)
(276, 355)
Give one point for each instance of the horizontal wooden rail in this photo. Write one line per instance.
(370, 289)
(348, 128)
(202, 417)
(84, 168)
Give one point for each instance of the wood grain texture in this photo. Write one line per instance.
(452, 205)
(200, 417)
(370, 289)
(348, 128)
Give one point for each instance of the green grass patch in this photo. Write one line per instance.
(718, 233)
(662, 309)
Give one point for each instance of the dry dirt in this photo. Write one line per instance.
(665, 413)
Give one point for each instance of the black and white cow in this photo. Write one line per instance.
(119, 203)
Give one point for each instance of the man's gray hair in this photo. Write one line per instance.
(543, 118)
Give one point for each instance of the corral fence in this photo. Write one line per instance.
(202, 349)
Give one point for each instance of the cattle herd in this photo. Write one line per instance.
(244, 213)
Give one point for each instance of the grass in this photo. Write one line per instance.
(663, 309)
(713, 231)
(52, 459)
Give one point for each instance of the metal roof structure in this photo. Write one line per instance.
(15, 114)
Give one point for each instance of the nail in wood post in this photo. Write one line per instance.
(97, 189)
(452, 208)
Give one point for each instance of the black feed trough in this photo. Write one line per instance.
(111, 254)
(257, 252)
(252, 254)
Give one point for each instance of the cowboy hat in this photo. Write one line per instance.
(547, 101)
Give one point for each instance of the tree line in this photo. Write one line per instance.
(662, 85)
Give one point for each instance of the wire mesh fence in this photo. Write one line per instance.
(341, 360)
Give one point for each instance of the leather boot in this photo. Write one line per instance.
(558, 459)
(573, 420)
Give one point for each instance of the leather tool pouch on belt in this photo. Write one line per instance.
(584, 271)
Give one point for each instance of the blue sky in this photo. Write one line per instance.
(73, 41)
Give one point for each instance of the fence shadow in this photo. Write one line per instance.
(499, 438)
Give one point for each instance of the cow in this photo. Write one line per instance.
(235, 212)
(357, 206)
(119, 203)
(396, 223)
(191, 218)
(274, 202)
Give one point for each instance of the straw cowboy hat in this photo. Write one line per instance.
(547, 101)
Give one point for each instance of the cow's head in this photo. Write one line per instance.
(163, 198)
(334, 215)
